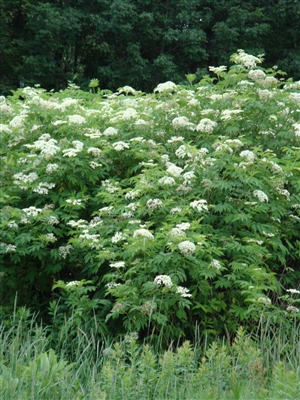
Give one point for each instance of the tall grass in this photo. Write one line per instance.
(38, 362)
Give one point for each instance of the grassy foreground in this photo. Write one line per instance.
(86, 366)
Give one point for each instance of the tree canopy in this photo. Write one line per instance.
(139, 42)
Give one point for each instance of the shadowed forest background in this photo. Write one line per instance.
(139, 42)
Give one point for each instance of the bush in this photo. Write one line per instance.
(181, 207)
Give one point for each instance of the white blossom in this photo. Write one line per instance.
(9, 248)
(73, 283)
(94, 151)
(119, 146)
(164, 280)
(187, 248)
(51, 168)
(249, 155)
(293, 291)
(218, 70)
(32, 211)
(165, 87)
(76, 119)
(257, 75)
(206, 125)
(144, 233)
(110, 131)
(129, 113)
(227, 115)
(166, 181)
(117, 237)
(184, 292)
(43, 188)
(49, 237)
(264, 300)
(182, 152)
(292, 309)
(245, 59)
(215, 264)
(200, 205)
(117, 264)
(183, 226)
(173, 169)
(181, 122)
(260, 195)
(154, 204)
(177, 232)
(174, 139)
(175, 210)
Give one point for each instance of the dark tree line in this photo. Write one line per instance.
(139, 42)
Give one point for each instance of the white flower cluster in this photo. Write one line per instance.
(184, 226)
(117, 264)
(215, 264)
(77, 119)
(49, 237)
(9, 248)
(109, 186)
(206, 125)
(165, 87)
(200, 205)
(4, 128)
(166, 181)
(129, 113)
(247, 60)
(177, 232)
(264, 94)
(94, 151)
(174, 139)
(297, 129)
(182, 152)
(181, 122)
(73, 283)
(21, 178)
(64, 251)
(260, 195)
(264, 300)
(292, 309)
(110, 131)
(154, 204)
(51, 168)
(187, 248)
(75, 202)
(119, 146)
(249, 155)
(117, 237)
(175, 210)
(184, 292)
(43, 188)
(32, 211)
(218, 70)
(144, 233)
(18, 121)
(227, 115)
(293, 291)
(93, 239)
(173, 169)
(256, 75)
(72, 152)
(164, 280)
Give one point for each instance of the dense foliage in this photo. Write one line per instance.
(160, 213)
(139, 42)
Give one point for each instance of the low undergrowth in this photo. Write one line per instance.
(35, 364)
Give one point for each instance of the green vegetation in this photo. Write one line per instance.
(85, 366)
(138, 230)
(139, 42)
